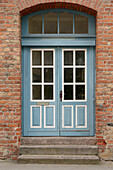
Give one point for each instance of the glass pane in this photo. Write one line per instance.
(80, 57)
(80, 75)
(50, 23)
(81, 24)
(68, 58)
(68, 75)
(48, 75)
(65, 23)
(37, 92)
(36, 58)
(80, 92)
(68, 92)
(48, 92)
(48, 57)
(35, 24)
(37, 74)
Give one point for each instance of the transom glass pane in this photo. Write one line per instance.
(35, 24)
(36, 58)
(65, 23)
(50, 23)
(80, 58)
(68, 58)
(58, 23)
(48, 57)
(81, 24)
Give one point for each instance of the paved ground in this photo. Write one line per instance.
(14, 166)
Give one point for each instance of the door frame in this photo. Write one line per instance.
(89, 100)
(92, 131)
(84, 40)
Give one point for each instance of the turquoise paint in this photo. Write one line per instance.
(81, 116)
(58, 130)
(91, 23)
(67, 116)
(49, 116)
(89, 103)
(36, 116)
(57, 42)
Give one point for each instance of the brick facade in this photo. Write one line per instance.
(10, 67)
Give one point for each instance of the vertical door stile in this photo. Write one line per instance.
(58, 90)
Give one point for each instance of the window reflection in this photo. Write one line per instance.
(80, 92)
(37, 92)
(65, 23)
(68, 58)
(49, 23)
(81, 24)
(48, 92)
(48, 57)
(80, 58)
(37, 75)
(36, 58)
(80, 75)
(68, 92)
(35, 24)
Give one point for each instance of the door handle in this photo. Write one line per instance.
(60, 95)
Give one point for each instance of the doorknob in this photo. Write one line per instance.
(60, 95)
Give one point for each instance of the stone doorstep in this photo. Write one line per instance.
(58, 159)
(58, 140)
(58, 149)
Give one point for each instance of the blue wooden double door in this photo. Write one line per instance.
(58, 91)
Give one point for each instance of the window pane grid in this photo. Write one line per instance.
(43, 86)
(80, 86)
(58, 23)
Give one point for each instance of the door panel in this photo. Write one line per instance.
(76, 85)
(58, 92)
(40, 109)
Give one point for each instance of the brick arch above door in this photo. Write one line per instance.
(86, 8)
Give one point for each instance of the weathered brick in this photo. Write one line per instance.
(10, 66)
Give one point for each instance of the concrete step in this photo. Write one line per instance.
(58, 150)
(58, 159)
(58, 141)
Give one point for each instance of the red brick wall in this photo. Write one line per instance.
(10, 67)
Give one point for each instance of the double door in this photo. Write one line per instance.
(58, 91)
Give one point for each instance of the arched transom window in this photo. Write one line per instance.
(58, 22)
